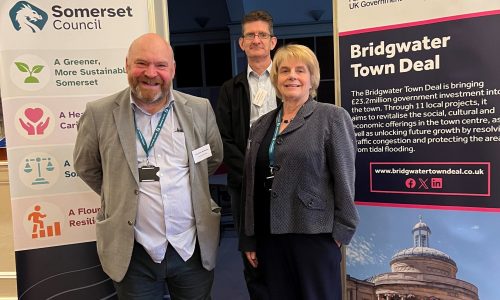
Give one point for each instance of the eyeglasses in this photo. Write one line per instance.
(261, 35)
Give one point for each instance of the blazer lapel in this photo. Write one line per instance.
(262, 125)
(184, 115)
(301, 116)
(126, 131)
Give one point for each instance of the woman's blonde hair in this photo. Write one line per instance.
(302, 54)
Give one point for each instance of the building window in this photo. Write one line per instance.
(217, 63)
(202, 68)
(323, 48)
(189, 70)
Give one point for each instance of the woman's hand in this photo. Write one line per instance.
(252, 258)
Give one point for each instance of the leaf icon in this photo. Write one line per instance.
(22, 67)
(37, 68)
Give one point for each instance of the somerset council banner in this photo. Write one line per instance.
(421, 82)
(55, 56)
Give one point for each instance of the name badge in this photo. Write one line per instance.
(259, 97)
(149, 174)
(202, 153)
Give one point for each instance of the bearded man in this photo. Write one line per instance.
(148, 151)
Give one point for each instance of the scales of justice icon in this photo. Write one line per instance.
(42, 165)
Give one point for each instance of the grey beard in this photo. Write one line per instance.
(137, 93)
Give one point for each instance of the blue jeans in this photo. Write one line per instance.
(145, 279)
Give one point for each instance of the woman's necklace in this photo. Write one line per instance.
(291, 115)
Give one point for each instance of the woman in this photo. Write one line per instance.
(298, 185)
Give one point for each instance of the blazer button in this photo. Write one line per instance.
(274, 194)
(276, 167)
(130, 223)
(310, 204)
(279, 141)
(136, 192)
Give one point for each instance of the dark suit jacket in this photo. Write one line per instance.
(105, 158)
(233, 120)
(313, 190)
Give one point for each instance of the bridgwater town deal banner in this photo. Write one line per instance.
(421, 81)
(54, 57)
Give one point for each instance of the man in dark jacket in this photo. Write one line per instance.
(242, 100)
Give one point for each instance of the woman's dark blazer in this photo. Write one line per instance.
(313, 189)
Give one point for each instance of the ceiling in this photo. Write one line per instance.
(187, 16)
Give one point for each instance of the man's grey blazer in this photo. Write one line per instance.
(105, 158)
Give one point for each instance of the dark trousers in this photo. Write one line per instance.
(300, 266)
(253, 278)
(145, 279)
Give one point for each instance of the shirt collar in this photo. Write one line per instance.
(251, 71)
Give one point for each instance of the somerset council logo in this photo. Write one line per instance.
(26, 17)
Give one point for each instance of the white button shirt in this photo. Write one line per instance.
(256, 83)
(165, 211)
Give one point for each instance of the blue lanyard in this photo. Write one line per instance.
(156, 133)
(273, 141)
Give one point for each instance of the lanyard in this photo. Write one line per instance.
(156, 133)
(273, 141)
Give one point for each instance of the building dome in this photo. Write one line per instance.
(417, 273)
(421, 258)
(421, 226)
(425, 252)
